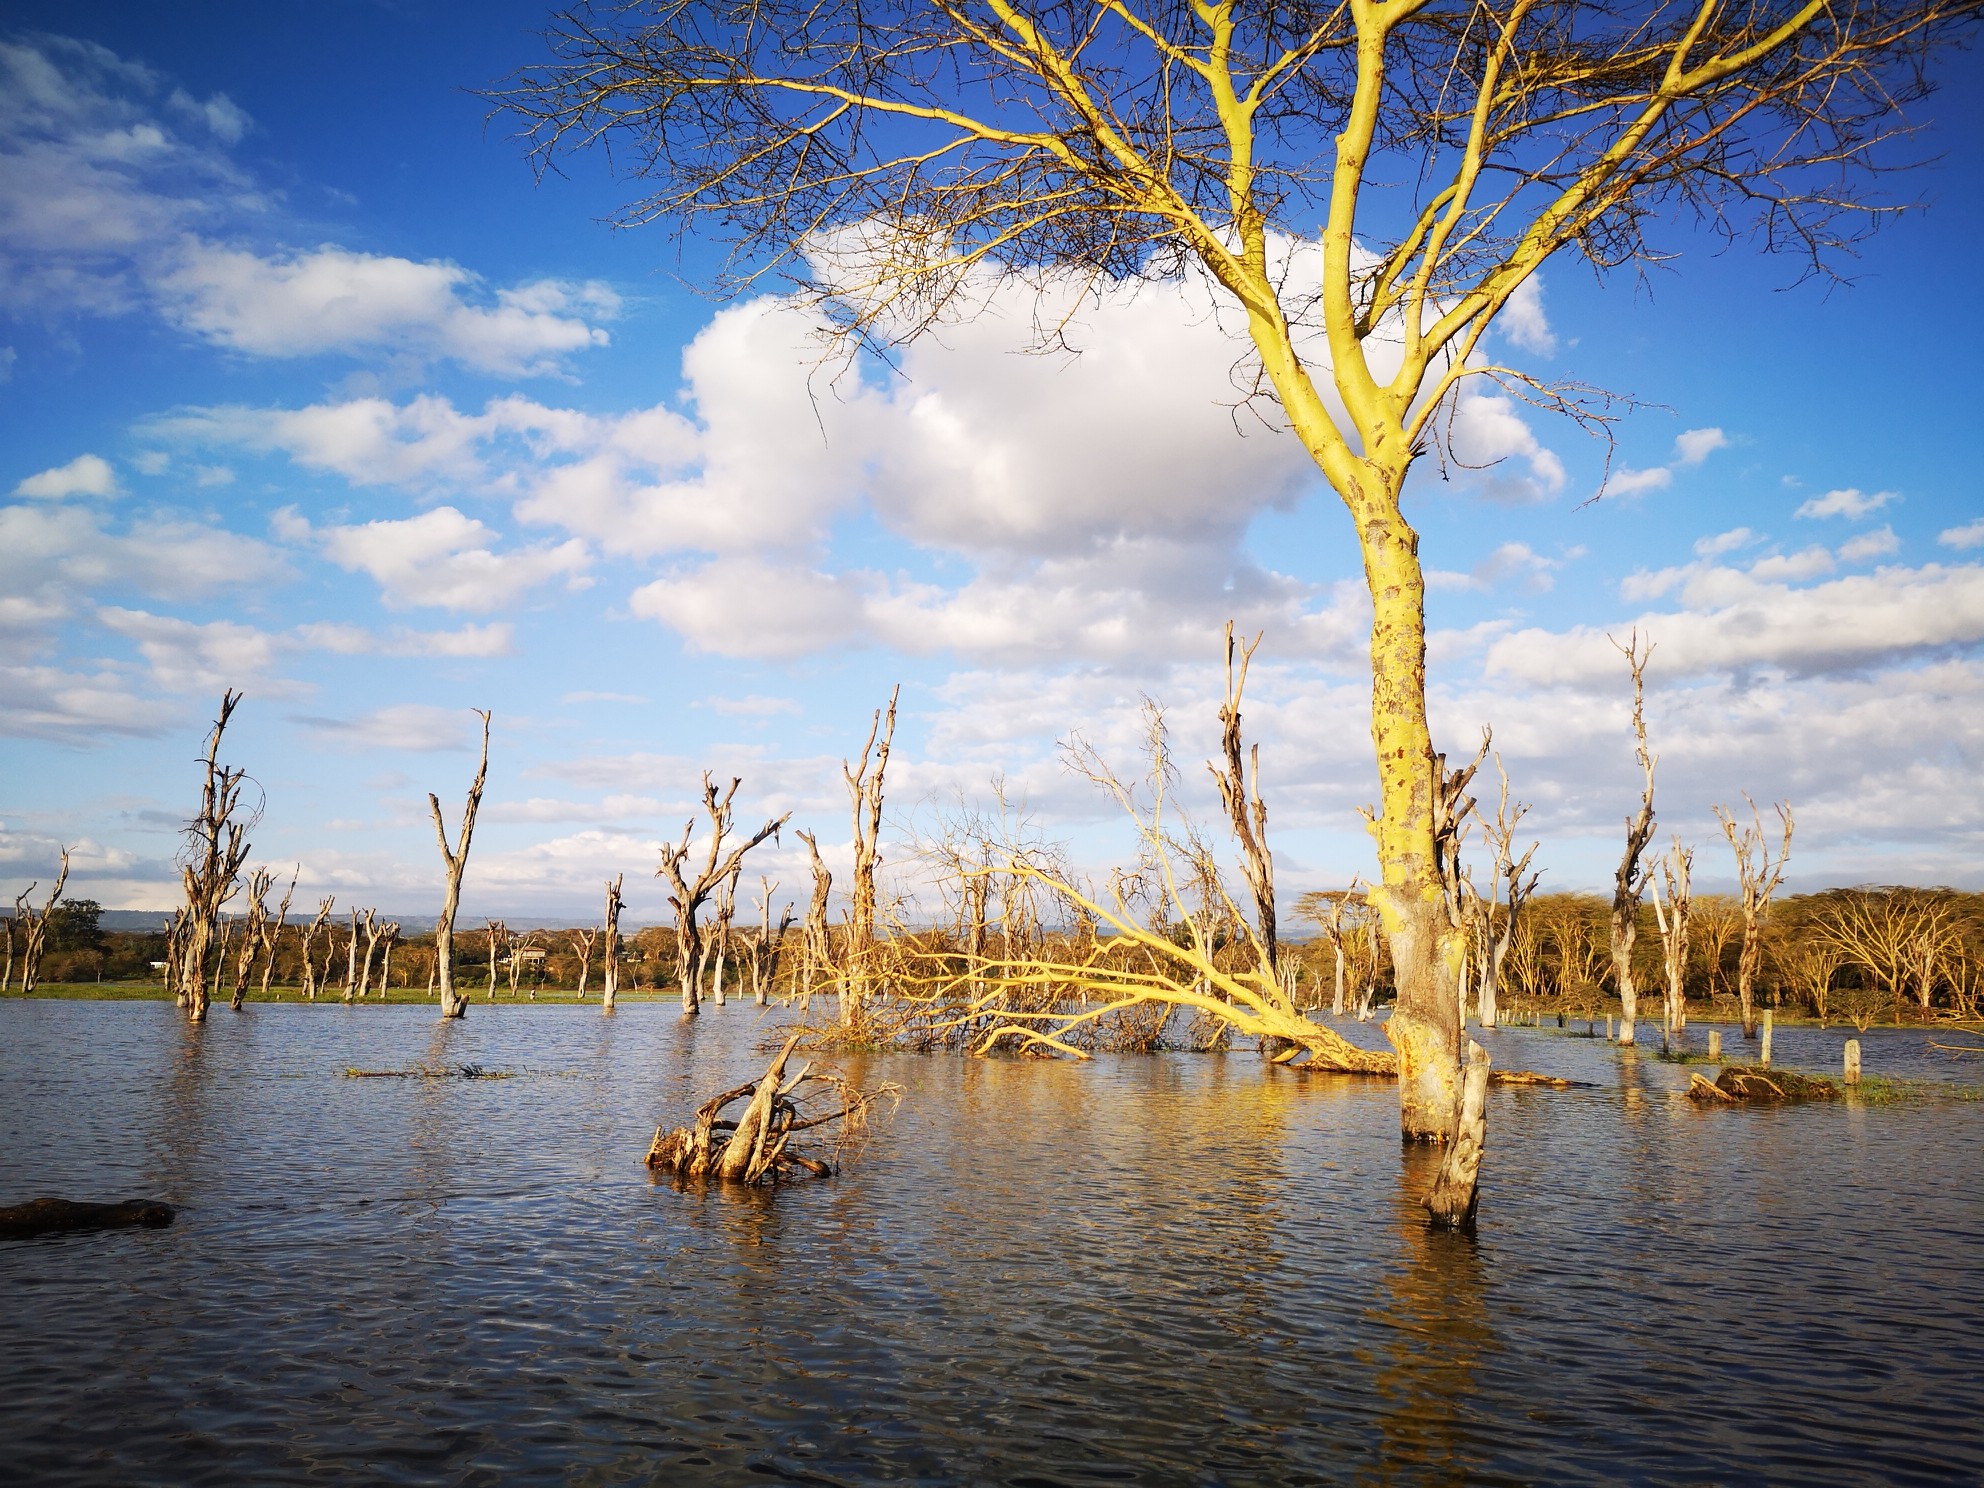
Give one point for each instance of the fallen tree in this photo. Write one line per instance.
(757, 1146)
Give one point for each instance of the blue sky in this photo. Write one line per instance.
(310, 389)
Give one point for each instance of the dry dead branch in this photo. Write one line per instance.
(756, 1146)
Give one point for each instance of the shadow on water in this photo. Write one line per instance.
(1181, 1268)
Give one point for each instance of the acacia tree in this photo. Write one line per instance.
(896, 158)
(455, 860)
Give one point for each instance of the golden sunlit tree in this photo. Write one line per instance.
(894, 160)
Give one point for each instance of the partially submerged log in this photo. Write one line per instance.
(52, 1216)
(756, 1147)
(1739, 1083)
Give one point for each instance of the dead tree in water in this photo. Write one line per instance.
(1452, 806)
(389, 937)
(865, 792)
(687, 896)
(35, 928)
(726, 917)
(456, 860)
(497, 934)
(1671, 899)
(210, 865)
(1760, 876)
(1498, 932)
(1630, 882)
(308, 935)
(1326, 908)
(351, 958)
(1248, 814)
(272, 932)
(253, 933)
(373, 931)
(609, 976)
(583, 942)
(770, 946)
(756, 1147)
(816, 939)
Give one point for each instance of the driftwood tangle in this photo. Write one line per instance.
(756, 1146)
(52, 1216)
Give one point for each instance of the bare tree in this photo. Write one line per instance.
(389, 936)
(210, 866)
(271, 937)
(253, 933)
(817, 936)
(864, 789)
(20, 908)
(583, 942)
(687, 896)
(899, 159)
(1629, 883)
(35, 928)
(456, 861)
(1327, 909)
(1671, 910)
(770, 946)
(351, 958)
(1247, 813)
(1497, 919)
(726, 915)
(496, 937)
(373, 931)
(308, 936)
(1759, 876)
(610, 950)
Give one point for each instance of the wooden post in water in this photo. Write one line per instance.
(1608, 1025)
(1763, 1057)
(1715, 1043)
(1853, 1061)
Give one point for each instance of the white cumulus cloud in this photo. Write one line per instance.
(1850, 502)
(86, 475)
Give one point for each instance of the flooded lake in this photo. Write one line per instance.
(1188, 1268)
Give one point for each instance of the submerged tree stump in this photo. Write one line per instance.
(1739, 1083)
(756, 1147)
(51, 1216)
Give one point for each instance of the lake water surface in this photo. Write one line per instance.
(1188, 1268)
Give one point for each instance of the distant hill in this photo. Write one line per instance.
(143, 920)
